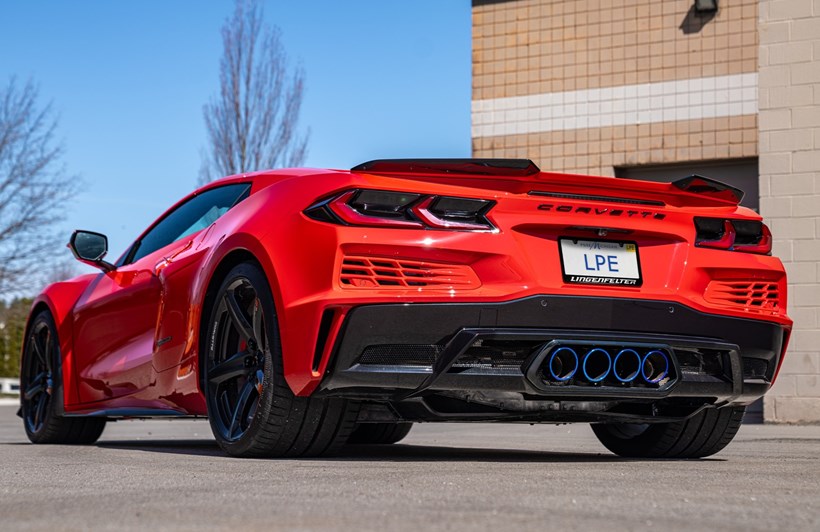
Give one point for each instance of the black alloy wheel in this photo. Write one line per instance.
(252, 410)
(37, 382)
(39, 379)
(239, 349)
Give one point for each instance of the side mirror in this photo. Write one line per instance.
(90, 248)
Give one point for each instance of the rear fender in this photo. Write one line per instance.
(270, 241)
(229, 244)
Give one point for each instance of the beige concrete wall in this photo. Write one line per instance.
(790, 189)
(548, 49)
(598, 151)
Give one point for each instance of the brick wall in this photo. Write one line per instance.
(789, 92)
(585, 85)
(588, 85)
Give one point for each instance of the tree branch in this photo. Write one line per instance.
(252, 122)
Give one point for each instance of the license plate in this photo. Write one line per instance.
(600, 262)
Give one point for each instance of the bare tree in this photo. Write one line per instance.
(34, 188)
(252, 122)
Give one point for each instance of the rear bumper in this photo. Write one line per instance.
(416, 350)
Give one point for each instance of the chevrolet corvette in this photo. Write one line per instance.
(301, 310)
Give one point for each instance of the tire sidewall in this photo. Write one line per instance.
(703, 434)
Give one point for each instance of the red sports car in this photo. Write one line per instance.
(303, 309)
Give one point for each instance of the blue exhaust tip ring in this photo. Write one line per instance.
(659, 375)
(603, 374)
(555, 353)
(638, 366)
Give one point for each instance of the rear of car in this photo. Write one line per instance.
(329, 307)
(486, 290)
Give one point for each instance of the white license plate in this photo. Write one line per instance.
(600, 262)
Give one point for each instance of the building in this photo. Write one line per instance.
(663, 89)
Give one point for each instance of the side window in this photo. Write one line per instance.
(197, 213)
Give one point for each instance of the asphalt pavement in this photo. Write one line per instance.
(169, 475)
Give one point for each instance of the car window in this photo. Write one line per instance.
(195, 214)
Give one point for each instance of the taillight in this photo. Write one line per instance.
(454, 213)
(714, 233)
(372, 207)
(749, 236)
(382, 208)
(752, 237)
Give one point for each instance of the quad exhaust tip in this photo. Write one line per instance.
(596, 364)
(563, 364)
(627, 365)
(655, 366)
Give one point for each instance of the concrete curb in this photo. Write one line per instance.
(9, 402)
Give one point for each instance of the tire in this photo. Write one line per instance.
(380, 433)
(38, 375)
(701, 435)
(251, 409)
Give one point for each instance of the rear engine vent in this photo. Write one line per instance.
(760, 297)
(377, 272)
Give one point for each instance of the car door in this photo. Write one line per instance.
(117, 321)
(113, 325)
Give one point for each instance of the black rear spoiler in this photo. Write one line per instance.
(491, 167)
(712, 188)
(694, 184)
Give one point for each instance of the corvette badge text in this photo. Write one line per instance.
(550, 207)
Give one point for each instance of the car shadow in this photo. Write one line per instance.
(391, 453)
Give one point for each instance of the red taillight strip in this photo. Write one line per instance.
(349, 215)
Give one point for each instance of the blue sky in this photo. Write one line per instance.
(129, 79)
